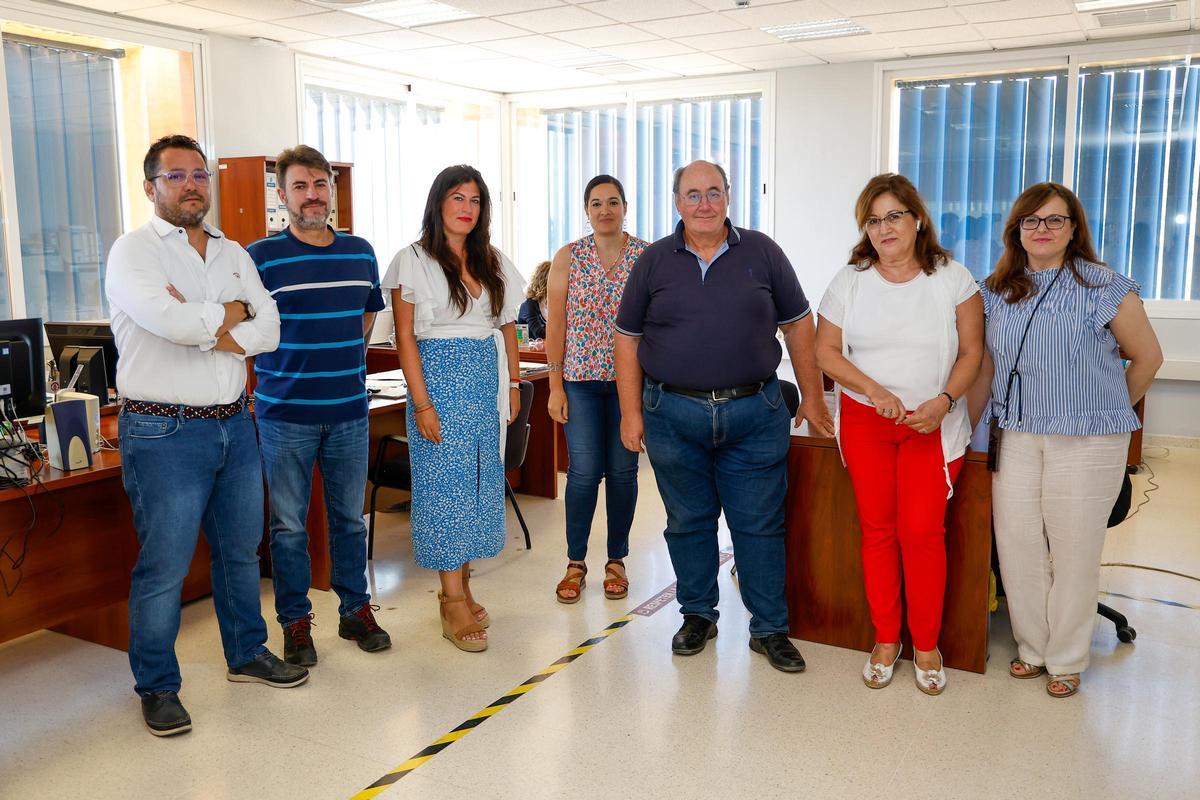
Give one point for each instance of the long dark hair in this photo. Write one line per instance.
(483, 262)
(929, 253)
(1010, 279)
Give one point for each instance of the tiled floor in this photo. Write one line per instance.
(626, 719)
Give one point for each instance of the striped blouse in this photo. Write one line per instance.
(1071, 381)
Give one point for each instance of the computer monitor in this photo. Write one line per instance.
(22, 367)
(84, 335)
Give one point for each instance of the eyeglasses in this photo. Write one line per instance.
(713, 196)
(178, 177)
(1053, 222)
(892, 219)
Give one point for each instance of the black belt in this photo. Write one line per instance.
(733, 393)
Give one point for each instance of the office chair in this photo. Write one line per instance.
(392, 470)
(1125, 632)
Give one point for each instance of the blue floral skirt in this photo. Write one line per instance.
(458, 485)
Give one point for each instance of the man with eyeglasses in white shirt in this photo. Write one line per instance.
(187, 308)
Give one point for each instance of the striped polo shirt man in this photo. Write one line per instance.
(318, 373)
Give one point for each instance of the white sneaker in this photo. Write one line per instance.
(877, 676)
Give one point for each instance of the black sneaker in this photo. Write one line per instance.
(360, 625)
(267, 668)
(164, 714)
(298, 645)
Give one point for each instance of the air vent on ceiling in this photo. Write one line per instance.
(1135, 16)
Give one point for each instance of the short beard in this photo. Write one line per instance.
(310, 222)
(184, 219)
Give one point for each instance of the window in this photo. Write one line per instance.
(640, 141)
(397, 148)
(82, 110)
(971, 145)
(1136, 171)
(6, 311)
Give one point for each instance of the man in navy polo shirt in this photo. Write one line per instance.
(311, 402)
(696, 356)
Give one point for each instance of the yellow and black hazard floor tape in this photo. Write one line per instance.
(487, 713)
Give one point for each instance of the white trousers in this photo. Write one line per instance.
(1051, 499)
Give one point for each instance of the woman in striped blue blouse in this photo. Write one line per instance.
(1058, 323)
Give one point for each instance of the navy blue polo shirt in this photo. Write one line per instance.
(711, 329)
(318, 374)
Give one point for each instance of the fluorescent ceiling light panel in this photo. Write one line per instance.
(1108, 5)
(820, 29)
(410, 13)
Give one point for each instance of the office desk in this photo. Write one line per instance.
(826, 599)
(76, 581)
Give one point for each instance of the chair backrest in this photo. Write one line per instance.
(791, 396)
(518, 431)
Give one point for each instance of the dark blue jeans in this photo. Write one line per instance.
(728, 455)
(289, 451)
(594, 446)
(179, 474)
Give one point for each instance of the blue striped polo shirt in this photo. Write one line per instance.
(1072, 381)
(318, 374)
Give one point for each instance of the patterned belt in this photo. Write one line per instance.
(187, 412)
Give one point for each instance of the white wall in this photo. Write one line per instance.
(253, 98)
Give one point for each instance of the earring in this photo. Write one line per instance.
(918, 224)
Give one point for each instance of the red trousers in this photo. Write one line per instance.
(900, 490)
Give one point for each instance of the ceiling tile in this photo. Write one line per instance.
(536, 47)
(551, 20)
(473, 30)
(1015, 10)
(694, 25)
(1065, 23)
(659, 48)
(782, 13)
(337, 23)
(639, 10)
(186, 17)
(910, 20)
(267, 30)
(932, 36)
(846, 44)
(727, 40)
(334, 48)
(452, 53)
(784, 63)
(494, 7)
(770, 52)
(116, 6)
(605, 35)
(725, 5)
(950, 47)
(858, 8)
(687, 61)
(864, 55)
(263, 10)
(1041, 40)
(399, 39)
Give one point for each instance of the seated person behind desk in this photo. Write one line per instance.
(533, 310)
(187, 308)
(901, 331)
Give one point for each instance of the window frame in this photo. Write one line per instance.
(631, 95)
(78, 20)
(1072, 56)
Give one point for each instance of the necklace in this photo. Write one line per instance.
(608, 270)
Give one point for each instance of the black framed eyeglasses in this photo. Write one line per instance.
(1054, 222)
(178, 177)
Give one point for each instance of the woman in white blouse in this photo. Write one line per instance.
(455, 300)
(901, 331)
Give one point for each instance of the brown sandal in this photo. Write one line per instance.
(614, 575)
(573, 582)
(1070, 684)
(1023, 670)
(479, 612)
(457, 637)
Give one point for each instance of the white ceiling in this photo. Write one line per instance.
(525, 45)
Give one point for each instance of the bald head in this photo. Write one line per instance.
(706, 168)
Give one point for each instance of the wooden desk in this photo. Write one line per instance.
(75, 579)
(826, 599)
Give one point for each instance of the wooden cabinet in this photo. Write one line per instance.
(250, 208)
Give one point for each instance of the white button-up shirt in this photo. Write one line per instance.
(166, 346)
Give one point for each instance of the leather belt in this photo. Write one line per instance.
(717, 395)
(187, 412)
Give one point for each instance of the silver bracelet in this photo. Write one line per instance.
(554, 366)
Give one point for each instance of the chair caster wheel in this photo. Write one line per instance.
(1126, 634)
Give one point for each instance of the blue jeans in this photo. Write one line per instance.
(595, 450)
(289, 450)
(726, 455)
(179, 474)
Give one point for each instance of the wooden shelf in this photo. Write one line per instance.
(243, 200)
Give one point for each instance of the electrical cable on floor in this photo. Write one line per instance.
(1153, 569)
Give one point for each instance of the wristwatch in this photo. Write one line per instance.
(249, 309)
(953, 402)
